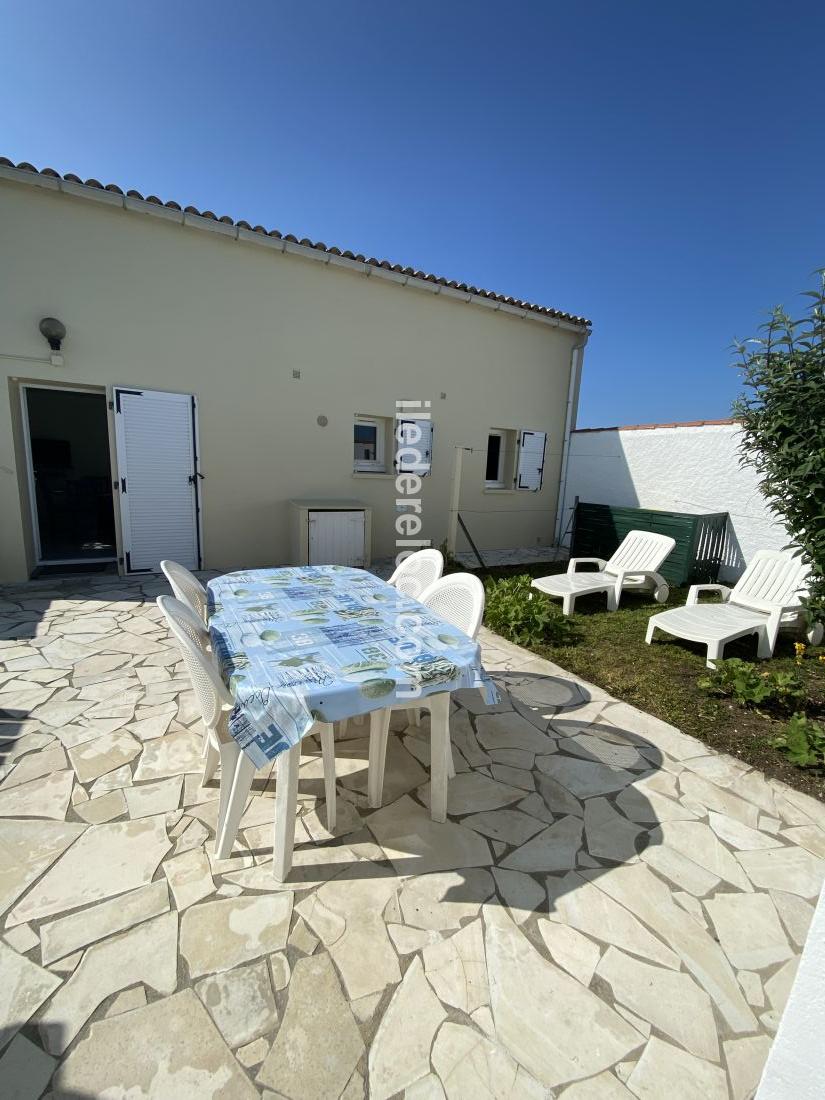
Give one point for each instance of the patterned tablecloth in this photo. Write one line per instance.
(324, 643)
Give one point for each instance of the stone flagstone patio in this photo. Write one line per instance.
(610, 911)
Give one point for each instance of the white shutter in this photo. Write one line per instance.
(337, 538)
(531, 460)
(405, 461)
(157, 467)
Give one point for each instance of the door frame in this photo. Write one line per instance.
(30, 480)
(123, 519)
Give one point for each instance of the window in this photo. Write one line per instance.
(494, 470)
(515, 459)
(369, 435)
(414, 446)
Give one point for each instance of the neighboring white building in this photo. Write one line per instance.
(692, 467)
(213, 371)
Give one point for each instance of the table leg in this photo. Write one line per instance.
(328, 754)
(379, 735)
(286, 803)
(439, 753)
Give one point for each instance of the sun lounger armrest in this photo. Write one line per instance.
(695, 589)
(574, 562)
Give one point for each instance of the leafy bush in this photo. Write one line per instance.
(803, 742)
(743, 682)
(523, 615)
(783, 427)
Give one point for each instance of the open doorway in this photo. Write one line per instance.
(67, 440)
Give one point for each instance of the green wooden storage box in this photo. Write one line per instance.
(700, 539)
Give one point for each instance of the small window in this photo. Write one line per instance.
(369, 435)
(494, 470)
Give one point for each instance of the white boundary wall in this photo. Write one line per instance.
(676, 468)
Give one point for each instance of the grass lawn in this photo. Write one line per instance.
(661, 679)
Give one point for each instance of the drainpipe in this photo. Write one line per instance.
(576, 359)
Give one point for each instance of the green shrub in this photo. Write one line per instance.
(523, 615)
(742, 681)
(803, 742)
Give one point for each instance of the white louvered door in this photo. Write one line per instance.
(337, 538)
(156, 439)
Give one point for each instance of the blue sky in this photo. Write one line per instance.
(656, 167)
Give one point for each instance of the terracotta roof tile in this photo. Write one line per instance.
(651, 427)
(319, 246)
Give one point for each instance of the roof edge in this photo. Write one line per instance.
(670, 424)
(111, 193)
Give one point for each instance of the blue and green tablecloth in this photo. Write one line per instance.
(322, 643)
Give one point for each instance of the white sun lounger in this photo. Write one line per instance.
(633, 566)
(765, 598)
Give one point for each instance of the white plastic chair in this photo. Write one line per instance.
(633, 566)
(417, 572)
(459, 599)
(186, 587)
(765, 598)
(237, 770)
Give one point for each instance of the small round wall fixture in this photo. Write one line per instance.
(54, 331)
(322, 421)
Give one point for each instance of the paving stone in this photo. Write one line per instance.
(522, 894)
(752, 988)
(25, 1070)
(642, 804)
(455, 967)
(746, 1059)
(664, 1070)
(95, 758)
(302, 939)
(147, 727)
(747, 926)
(317, 1021)
(67, 934)
(548, 1021)
(425, 1088)
(114, 781)
(106, 860)
(170, 756)
(739, 836)
(35, 765)
(513, 758)
(408, 940)
(556, 798)
(672, 1003)
(106, 807)
(698, 789)
(348, 821)
(697, 842)
(553, 849)
(584, 778)
(189, 878)
(809, 837)
(790, 869)
(45, 797)
(511, 731)
(778, 986)
(22, 938)
(514, 777)
(471, 1065)
(146, 799)
(635, 887)
(796, 915)
(615, 753)
(253, 1053)
(579, 903)
(576, 953)
(441, 902)
(691, 905)
(310, 867)
(677, 867)
(126, 1001)
(474, 791)
(417, 845)
(608, 834)
(24, 988)
(510, 826)
(218, 935)
(241, 1003)
(604, 1086)
(146, 953)
(400, 1052)
(189, 1059)
(279, 965)
(347, 914)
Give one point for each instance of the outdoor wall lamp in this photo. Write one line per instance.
(55, 332)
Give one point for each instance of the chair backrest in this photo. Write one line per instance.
(417, 572)
(186, 586)
(211, 692)
(773, 578)
(640, 551)
(458, 598)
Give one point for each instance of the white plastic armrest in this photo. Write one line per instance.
(695, 589)
(571, 565)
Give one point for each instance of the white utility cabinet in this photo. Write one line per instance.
(330, 532)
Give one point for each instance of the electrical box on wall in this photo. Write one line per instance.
(330, 532)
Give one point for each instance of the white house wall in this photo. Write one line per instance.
(155, 304)
(679, 469)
